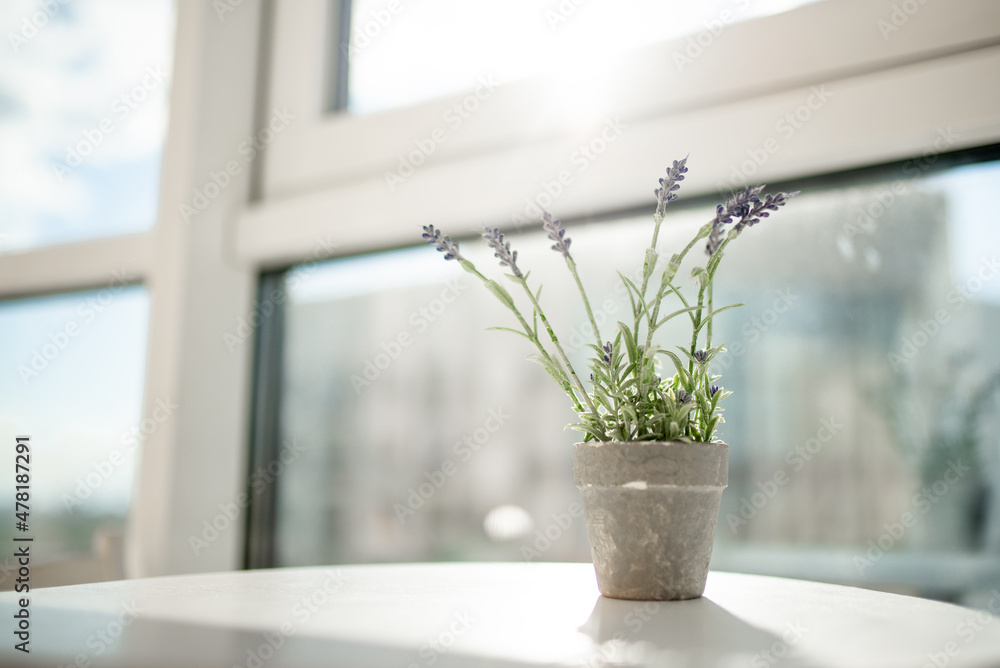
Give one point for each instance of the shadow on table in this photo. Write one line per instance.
(101, 640)
(695, 632)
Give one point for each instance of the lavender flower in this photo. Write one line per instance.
(443, 244)
(632, 402)
(508, 258)
(665, 193)
(762, 207)
(748, 207)
(557, 233)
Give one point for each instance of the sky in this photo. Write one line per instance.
(75, 395)
(83, 113)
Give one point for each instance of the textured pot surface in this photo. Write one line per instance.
(651, 509)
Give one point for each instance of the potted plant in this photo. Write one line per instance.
(649, 469)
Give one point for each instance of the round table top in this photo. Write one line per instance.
(485, 614)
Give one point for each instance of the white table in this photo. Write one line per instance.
(484, 615)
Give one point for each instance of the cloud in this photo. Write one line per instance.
(56, 88)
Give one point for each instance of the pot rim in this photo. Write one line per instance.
(654, 463)
(602, 443)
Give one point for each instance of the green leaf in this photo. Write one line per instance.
(681, 369)
(508, 329)
(630, 345)
(713, 262)
(672, 288)
(714, 313)
(600, 376)
(630, 284)
(630, 287)
(590, 430)
(649, 263)
(501, 293)
(552, 368)
(677, 313)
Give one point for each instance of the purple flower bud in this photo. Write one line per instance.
(762, 207)
(748, 207)
(442, 243)
(701, 355)
(557, 233)
(494, 238)
(684, 397)
(715, 388)
(669, 185)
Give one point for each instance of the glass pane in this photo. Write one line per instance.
(73, 375)
(865, 367)
(402, 53)
(83, 112)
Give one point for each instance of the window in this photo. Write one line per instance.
(863, 365)
(74, 382)
(368, 179)
(323, 187)
(82, 119)
(402, 53)
(83, 115)
(816, 96)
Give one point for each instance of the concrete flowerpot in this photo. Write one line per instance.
(651, 509)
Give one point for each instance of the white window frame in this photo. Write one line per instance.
(326, 174)
(193, 463)
(322, 183)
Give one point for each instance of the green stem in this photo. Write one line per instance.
(658, 220)
(647, 271)
(529, 332)
(558, 346)
(709, 276)
(708, 336)
(694, 335)
(586, 302)
(616, 407)
(668, 277)
(684, 302)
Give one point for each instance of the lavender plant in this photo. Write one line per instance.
(627, 399)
